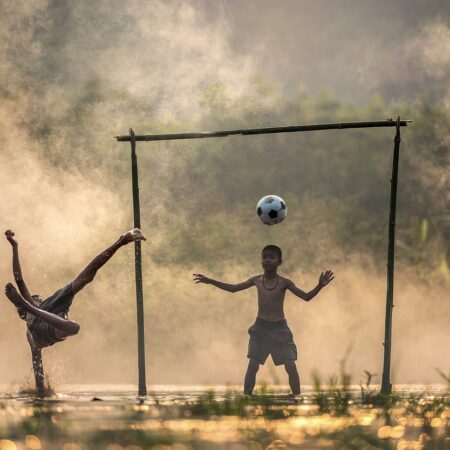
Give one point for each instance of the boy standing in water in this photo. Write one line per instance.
(270, 333)
(47, 321)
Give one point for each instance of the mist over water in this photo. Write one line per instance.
(74, 75)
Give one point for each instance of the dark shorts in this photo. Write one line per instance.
(59, 303)
(271, 338)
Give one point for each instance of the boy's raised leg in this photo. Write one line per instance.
(250, 376)
(88, 274)
(294, 378)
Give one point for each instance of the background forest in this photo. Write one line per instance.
(68, 88)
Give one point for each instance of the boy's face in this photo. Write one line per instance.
(270, 260)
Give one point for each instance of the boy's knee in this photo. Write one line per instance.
(81, 281)
(75, 329)
(88, 278)
(71, 330)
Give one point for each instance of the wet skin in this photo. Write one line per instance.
(28, 307)
(271, 287)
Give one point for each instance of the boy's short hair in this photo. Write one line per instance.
(275, 249)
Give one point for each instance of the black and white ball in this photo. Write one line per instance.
(271, 210)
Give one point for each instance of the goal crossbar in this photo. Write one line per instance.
(270, 130)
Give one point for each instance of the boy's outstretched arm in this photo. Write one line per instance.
(324, 279)
(17, 270)
(199, 278)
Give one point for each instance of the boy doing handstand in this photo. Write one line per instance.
(47, 321)
(270, 334)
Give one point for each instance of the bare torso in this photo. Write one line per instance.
(271, 293)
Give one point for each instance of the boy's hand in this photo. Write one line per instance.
(199, 278)
(325, 278)
(10, 236)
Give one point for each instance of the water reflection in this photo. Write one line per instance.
(199, 417)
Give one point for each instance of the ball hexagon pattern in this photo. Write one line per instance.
(271, 210)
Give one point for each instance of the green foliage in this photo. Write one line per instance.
(263, 402)
(336, 184)
(336, 397)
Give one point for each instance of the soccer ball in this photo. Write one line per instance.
(271, 210)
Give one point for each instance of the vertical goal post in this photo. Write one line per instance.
(386, 386)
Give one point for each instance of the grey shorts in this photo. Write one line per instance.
(59, 303)
(271, 338)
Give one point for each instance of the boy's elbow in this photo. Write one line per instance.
(236, 288)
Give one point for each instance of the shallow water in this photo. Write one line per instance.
(111, 417)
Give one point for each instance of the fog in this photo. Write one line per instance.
(353, 48)
(76, 74)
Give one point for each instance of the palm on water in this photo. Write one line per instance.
(326, 277)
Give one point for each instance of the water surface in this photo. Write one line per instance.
(112, 417)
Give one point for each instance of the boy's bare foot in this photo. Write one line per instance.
(14, 297)
(133, 235)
